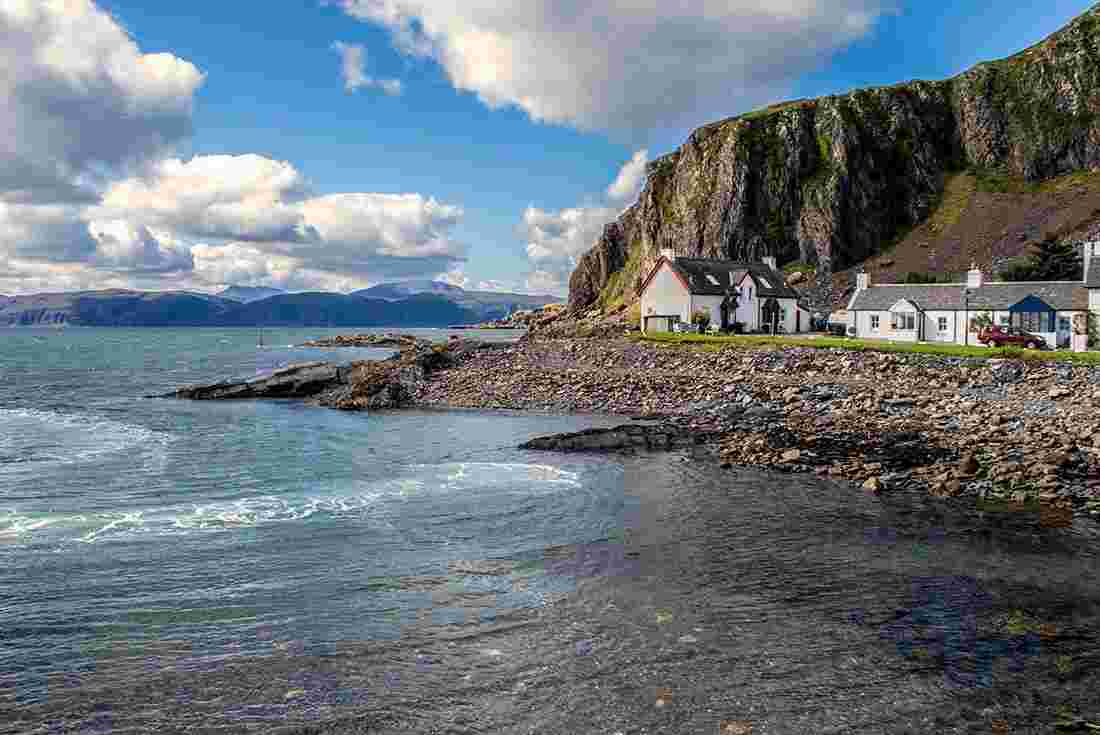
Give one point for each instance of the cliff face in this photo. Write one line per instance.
(831, 181)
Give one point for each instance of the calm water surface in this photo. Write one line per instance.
(170, 566)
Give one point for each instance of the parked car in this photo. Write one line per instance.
(997, 336)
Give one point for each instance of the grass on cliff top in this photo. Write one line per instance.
(714, 342)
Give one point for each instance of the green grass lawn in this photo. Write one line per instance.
(716, 342)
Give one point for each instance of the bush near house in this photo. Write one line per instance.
(701, 318)
(1049, 260)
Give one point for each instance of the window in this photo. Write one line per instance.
(1063, 324)
(905, 321)
(874, 322)
(764, 281)
(1033, 321)
(712, 279)
(941, 323)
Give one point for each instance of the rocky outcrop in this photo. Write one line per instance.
(628, 439)
(397, 341)
(296, 381)
(831, 181)
(363, 385)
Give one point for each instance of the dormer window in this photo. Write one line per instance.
(712, 279)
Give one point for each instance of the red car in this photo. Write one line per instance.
(996, 336)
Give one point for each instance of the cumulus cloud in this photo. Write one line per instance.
(626, 65)
(557, 239)
(628, 184)
(80, 100)
(246, 197)
(124, 246)
(261, 211)
(353, 67)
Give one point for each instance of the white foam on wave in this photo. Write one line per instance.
(524, 478)
(116, 523)
(14, 525)
(48, 437)
(358, 501)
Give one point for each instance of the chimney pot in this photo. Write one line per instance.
(974, 276)
(863, 280)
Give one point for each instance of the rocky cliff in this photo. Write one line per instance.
(832, 181)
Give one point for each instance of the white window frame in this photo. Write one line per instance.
(874, 322)
(941, 324)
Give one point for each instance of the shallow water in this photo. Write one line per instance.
(243, 566)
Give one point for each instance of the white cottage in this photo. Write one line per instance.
(753, 294)
(945, 312)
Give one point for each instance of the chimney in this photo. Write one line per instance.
(668, 253)
(863, 281)
(974, 276)
(1089, 250)
(769, 260)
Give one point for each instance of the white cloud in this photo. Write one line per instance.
(628, 184)
(80, 100)
(245, 197)
(124, 246)
(556, 240)
(625, 65)
(353, 68)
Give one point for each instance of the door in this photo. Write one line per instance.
(1064, 331)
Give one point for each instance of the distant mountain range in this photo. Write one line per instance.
(244, 294)
(423, 304)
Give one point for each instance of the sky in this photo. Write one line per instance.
(338, 144)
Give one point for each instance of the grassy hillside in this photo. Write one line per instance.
(985, 218)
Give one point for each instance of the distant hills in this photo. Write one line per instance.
(244, 294)
(408, 304)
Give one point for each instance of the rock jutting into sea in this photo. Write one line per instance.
(365, 340)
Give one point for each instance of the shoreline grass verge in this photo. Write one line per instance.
(715, 342)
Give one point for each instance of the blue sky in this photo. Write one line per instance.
(491, 164)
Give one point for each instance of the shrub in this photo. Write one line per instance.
(701, 317)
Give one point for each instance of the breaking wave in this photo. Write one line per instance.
(33, 438)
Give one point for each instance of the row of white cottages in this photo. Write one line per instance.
(755, 295)
(1053, 310)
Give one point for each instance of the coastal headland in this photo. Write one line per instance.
(1012, 434)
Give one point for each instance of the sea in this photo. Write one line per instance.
(269, 566)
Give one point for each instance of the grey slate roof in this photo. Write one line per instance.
(695, 271)
(1060, 295)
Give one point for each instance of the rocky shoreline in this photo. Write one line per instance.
(1010, 434)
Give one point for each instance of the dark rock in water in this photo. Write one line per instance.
(626, 438)
(368, 384)
(296, 381)
(398, 341)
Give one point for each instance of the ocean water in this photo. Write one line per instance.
(126, 520)
(170, 566)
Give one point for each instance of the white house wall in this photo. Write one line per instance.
(957, 322)
(665, 295)
(710, 304)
